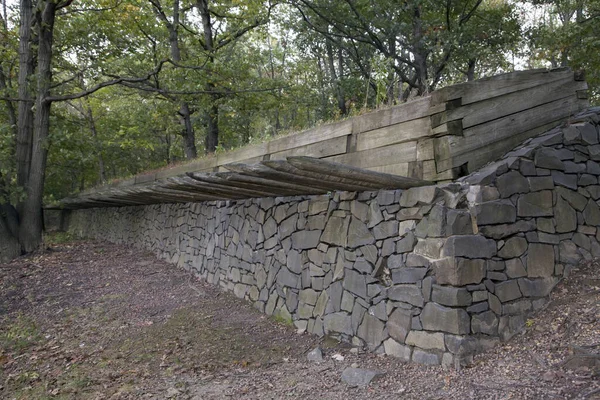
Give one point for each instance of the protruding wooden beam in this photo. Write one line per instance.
(346, 173)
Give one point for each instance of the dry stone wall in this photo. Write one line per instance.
(431, 275)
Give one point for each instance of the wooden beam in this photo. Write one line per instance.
(236, 177)
(214, 182)
(346, 173)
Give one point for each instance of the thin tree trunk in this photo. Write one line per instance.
(30, 233)
(92, 123)
(212, 115)
(471, 70)
(335, 79)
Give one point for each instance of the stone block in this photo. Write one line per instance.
(395, 349)
(494, 212)
(419, 196)
(540, 260)
(308, 296)
(355, 283)
(336, 231)
(495, 304)
(513, 247)
(515, 268)
(540, 287)
(439, 318)
(486, 322)
(519, 307)
(425, 358)
(568, 253)
(399, 324)
(459, 272)
(338, 323)
(371, 330)
(535, 204)
(408, 275)
(410, 294)
(426, 340)
(359, 234)
(384, 230)
(591, 213)
(566, 180)
(305, 239)
(507, 290)
(430, 247)
(321, 305)
(537, 183)
(549, 158)
(505, 230)
(451, 296)
(510, 183)
(469, 246)
(458, 222)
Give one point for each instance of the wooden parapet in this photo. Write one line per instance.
(435, 138)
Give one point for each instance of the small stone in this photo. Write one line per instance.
(315, 355)
(354, 377)
(423, 357)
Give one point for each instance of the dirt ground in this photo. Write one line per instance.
(93, 320)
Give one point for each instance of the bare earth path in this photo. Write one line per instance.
(93, 320)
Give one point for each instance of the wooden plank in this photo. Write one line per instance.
(381, 156)
(484, 135)
(264, 171)
(501, 106)
(448, 128)
(300, 189)
(492, 151)
(397, 133)
(314, 135)
(244, 154)
(249, 190)
(498, 85)
(425, 149)
(417, 108)
(400, 169)
(330, 181)
(345, 173)
(200, 164)
(325, 148)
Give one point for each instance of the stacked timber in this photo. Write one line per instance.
(299, 175)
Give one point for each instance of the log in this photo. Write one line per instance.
(348, 173)
(211, 181)
(203, 189)
(266, 171)
(233, 176)
(333, 182)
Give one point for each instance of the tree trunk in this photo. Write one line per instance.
(92, 123)
(471, 70)
(339, 94)
(30, 232)
(9, 245)
(212, 131)
(212, 115)
(25, 113)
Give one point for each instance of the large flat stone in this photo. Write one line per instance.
(419, 196)
(549, 158)
(359, 234)
(540, 260)
(537, 287)
(494, 212)
(395, 349)
(336, 231)
(439, 318)
(505, 230)
(486, 323)
(426, 340)
(451, 296)
(355, 283)
(591, 213)
(339, 322)
(410, 294)
(469, 246)
(510, 183)
(305, 239)
(459, 272)
(507, 291)
(536, 204)
(514, 247)
(458, 223)
(371, 330)
(399, 324)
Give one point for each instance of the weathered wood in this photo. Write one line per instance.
(332, 182)
(218, 191)
(325, 148)
(201, 164)
(211, 181)
(413, 109)
(448, 128)
(498, 85)
(491, 151)
(425, 149)
(282, 171)
(245, 153)
(501, 106)
(392, 134)
(310, 136)
(351, 174)
(400, 169)
(235, 177)
(393, 154)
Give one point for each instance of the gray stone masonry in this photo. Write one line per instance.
(431, 274)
